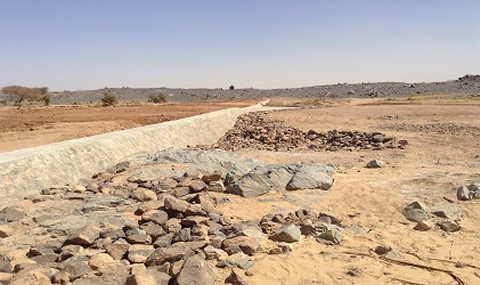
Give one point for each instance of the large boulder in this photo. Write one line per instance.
(277, 177)
(416, 212)
(311, 176)
(262, 179)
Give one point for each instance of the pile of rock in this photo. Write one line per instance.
(444, 216)
(253, 131)
(129, 226)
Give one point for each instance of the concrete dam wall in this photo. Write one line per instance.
(27, 171)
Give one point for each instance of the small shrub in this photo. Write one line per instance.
(46, 100)
(158, 98)
(231, 87)
(3, 102)
(109, 99)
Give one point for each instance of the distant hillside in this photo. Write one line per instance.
(468, 85)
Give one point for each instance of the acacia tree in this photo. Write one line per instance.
(22, 94)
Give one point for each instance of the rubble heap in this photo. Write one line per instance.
(254, 131)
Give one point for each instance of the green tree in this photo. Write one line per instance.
(109, 99)
(22, 94)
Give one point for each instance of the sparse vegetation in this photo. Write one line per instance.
(46, 100)
(22, 94)
(109, 99)
(3, 102)
(231, 87)
(158, 98)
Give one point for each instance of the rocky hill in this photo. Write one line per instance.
(468, 85)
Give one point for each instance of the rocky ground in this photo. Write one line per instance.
(389, 197)
(468, 85)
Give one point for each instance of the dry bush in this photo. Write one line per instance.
(109, 99)
(158, 98)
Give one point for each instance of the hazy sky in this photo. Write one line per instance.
(90, 44)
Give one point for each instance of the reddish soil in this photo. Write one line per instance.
(34, 126)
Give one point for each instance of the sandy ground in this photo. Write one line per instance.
(431, 168)
(34, 126)
(370, 200)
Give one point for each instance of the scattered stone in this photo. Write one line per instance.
(100, 261)
(117, 250)
(213, 253)
(416, 212)
(449, 211)
(139, 239)
(332, 236)
(84, 236)
(196, 270)
(236, 277)
(289, 233)
(216, 186)
(423, 226)
(375, 164)
(172, 203)
(197, 186)
(164, 254)
(36, 277)
(238, 244)
(157, 216)
(150, 276)
(449, 226)
(382, 249)
(463, 193)
(239, 260)
(180, 191)
(139, 253)
(211, 177)
(143, 195)
(311, 176)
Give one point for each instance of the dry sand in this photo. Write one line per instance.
(431, 168)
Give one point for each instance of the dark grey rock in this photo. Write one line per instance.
(311, 176)
(261, 180)
(375, 164)
(172, 203)
(332, 236)
(448, 211)
(288, 233)
(449, 226)
(239, 260)
(238, 244)
(84, 236)
(196, 271)
(164, 254)
(416, 212)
